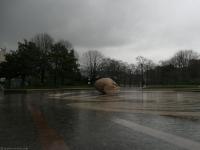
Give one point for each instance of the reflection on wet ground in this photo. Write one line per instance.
(132, 119)
(185, 105)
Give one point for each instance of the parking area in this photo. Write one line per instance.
(131, 119)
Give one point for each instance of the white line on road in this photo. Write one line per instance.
(170, 138)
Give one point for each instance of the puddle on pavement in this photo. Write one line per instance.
(184, 105)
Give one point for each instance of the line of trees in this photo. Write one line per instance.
(41, 62)
(183, 68)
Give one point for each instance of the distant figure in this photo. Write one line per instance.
(106, 86)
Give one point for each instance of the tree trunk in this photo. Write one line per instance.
(23, 78)
(42, 76)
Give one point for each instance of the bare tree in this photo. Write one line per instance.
(131, 71)
(118, 70)
(182, 58)
(90, 63)
(66, 43)
(143, 66)
(44, 42)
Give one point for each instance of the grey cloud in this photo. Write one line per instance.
(85, 23)
(135, 27)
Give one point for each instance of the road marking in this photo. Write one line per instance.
(170, 138)
(49, 138)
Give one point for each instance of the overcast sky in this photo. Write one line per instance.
(121, 29)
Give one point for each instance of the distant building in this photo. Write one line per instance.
(2, 54)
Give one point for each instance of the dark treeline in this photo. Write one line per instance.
(42, 62)
(182, 69)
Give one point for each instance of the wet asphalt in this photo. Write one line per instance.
(86, 120)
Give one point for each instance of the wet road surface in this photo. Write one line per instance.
(86, 120)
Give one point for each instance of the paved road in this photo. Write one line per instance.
(85, 120)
